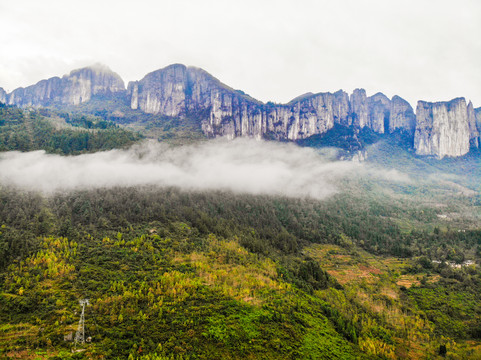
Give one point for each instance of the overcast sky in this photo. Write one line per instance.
(273, 50)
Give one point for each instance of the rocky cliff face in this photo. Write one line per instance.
(473, 127)
(3, 96)
(162, 91)
(359, 108)
(82, 84)
(379, 111)
(43, 93)
(439, 129)
(77, 87)
(477, 114)
(442, 128)
(401, 116)
(178, 90)
(307, 116)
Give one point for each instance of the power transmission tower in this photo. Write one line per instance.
(80, 334)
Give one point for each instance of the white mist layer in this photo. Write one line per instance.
(242, 166)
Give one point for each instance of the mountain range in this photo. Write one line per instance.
(448, 128)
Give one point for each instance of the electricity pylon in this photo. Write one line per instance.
(80, 334)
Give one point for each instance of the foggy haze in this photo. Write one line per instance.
(242, 166)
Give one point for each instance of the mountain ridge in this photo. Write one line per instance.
(178, 90)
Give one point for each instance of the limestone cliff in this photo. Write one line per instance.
(401, 116)
(442, 128)
(43, 93)
(3, 96)
(77, 87)
(178, 90)
(229, 112)
(439, 129)
(473, 128)
(82, 84)
(379, 110)
(359, 108)
(477, 114)
(162, 91)
(307, 116)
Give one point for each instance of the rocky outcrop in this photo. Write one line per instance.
(3, 96)
(477, 114)
(359, 108)
(77, 87)
(82, 84)
(309, 115)
(473, 128)
(43, 93)
(162, 91)
(178, 90)
(401, 116)
(379, 110)
(442, 128)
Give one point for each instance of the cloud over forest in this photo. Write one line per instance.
(242, 166)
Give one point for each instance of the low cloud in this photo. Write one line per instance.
(242, 166)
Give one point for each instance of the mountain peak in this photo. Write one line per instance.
(77, 87)
(96, 67)
(98, 71)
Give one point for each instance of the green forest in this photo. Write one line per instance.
(28, 130)
(375, 271)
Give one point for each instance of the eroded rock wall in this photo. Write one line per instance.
(438, 129)
(3, 96)
(73, 89)
(379, 111)
(473, 127)
(442, 128)
(401, 116)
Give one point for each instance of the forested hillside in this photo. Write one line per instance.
(174, 274)
(61, 133)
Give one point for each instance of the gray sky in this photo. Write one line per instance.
(273, 50)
